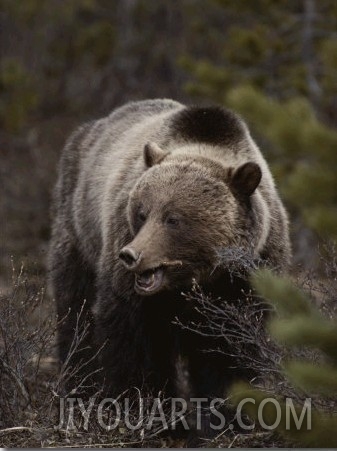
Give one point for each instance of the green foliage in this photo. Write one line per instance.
(328, 55)
(320, 434)
(313, 378)
(25, 11)
(298, 324)
(277, 47)
(298, 331)
(279, 291)
(275, 63)
(18, 95)
(98, 40)
(68, 44)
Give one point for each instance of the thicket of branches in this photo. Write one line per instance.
(31, 385)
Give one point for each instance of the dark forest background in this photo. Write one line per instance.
(64, 62)
(67, 61)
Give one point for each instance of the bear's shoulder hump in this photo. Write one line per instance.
(210, 125)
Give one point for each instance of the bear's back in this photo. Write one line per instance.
(135, 111)
(104, 159)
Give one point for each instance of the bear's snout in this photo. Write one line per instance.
(130, 257)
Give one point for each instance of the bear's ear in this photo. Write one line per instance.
(245, 179)
(153, 154)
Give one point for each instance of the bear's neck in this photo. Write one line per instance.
(219, 155)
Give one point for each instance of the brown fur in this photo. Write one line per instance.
(172, 185)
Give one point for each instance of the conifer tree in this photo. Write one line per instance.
(274, 63)
(298, 324)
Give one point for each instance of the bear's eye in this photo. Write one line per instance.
(172, 221)
(142, 216)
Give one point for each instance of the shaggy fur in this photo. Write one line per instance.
(170, 186)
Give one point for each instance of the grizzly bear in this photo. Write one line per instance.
(145, 201)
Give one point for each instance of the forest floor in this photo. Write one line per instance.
(30, 384)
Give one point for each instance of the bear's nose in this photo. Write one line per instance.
(129, 257)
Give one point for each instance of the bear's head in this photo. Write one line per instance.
(181, 211)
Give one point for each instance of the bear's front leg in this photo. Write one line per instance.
(72, 282)
(118, 335)
(135, 340)
(211, 376)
